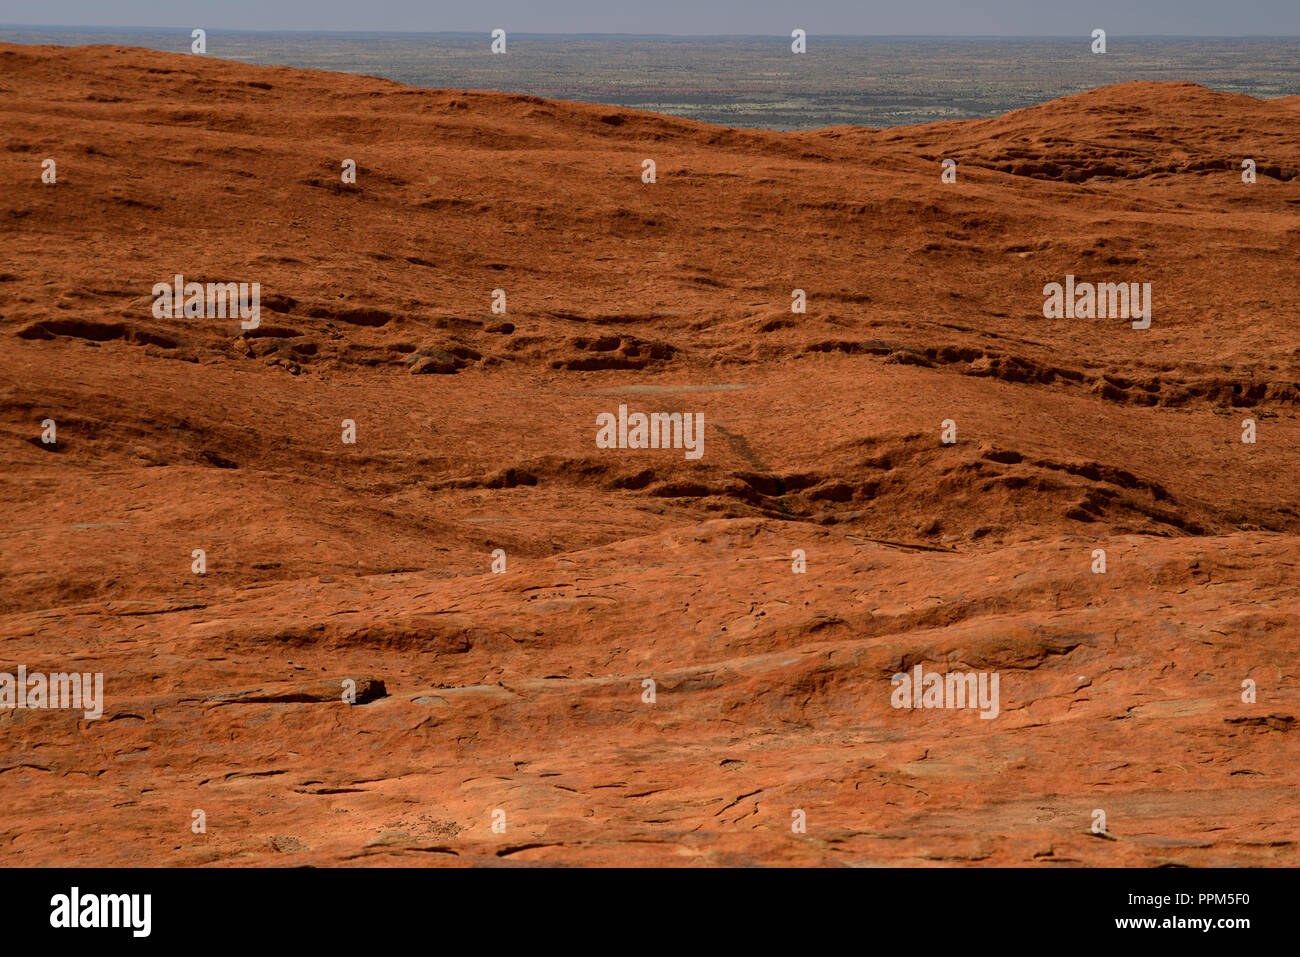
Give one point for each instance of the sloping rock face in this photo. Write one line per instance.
(474, 635)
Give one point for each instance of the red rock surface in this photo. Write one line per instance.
(522, 691)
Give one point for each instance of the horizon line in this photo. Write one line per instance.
(668, 36)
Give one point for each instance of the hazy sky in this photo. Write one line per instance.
(762, 17)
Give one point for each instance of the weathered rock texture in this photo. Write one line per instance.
(523, 691)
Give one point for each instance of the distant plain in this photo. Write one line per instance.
(753, 81)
